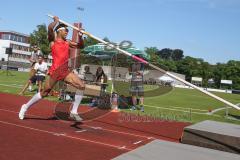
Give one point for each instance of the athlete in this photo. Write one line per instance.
(59, 69)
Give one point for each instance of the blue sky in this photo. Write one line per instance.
(208, 29)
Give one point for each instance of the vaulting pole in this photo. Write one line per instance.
(151, 65)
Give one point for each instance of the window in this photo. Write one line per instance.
(11, 37)
(6, 36)
(24, 40)
(19, 38)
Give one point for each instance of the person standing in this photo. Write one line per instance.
(101, 78)
(136, 87)
(41, 69)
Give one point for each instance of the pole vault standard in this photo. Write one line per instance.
(151, 65)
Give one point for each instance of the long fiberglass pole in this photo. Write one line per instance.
(151, 65)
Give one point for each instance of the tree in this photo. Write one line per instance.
(106, 39)
(206, 72)
(219, 73)
(39, 37)
(168, 65)
(232, 72)
(177, 54)
(152, 52)
(190, 67)
(165, 53)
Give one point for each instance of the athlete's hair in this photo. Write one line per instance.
(60, 26)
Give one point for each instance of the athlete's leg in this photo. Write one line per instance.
(74, 80)
(141, 103)
(134, 100)
(141, 96)
(25, 87)
(38, 96)
(39, 86)
(29, 82)
(133, 89)
(40, 80)
(49, 84)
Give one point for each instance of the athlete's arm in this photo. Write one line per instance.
(35, 69)
(51, 35)
(77, 45)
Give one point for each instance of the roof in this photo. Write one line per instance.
(13, 32)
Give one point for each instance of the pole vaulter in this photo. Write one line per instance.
(151, 65)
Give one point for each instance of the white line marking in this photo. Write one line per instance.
(137, 142)
(119, 132)
(173, 107)
(122, 147)
(216, 110)
(59, 134)
(175, 110)
(99, 128)
(10, 86)
(65, 135)
(84, 130)
(219, 109)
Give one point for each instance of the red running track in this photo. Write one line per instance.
(42, 136)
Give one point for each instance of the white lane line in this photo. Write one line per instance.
(59, 134)
(179, 108)
(94, 127)
(220, 109)
(122, 147)
(137, 142)
(119, 132)
(97, 128)
(176, 110)
(216, 110)
(84, 130)
(65, 135)
(10, 86)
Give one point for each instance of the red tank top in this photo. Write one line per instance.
(60, 54)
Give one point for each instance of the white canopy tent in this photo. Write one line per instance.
(165, 80)
(226, 84)
(197, 81)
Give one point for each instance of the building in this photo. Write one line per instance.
(21, 52)
(18, 42)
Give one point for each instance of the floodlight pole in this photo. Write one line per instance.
(151, 65)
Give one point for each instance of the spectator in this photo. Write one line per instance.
(136, 87)
(88, 76)
(41, 70)
(101, 78)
